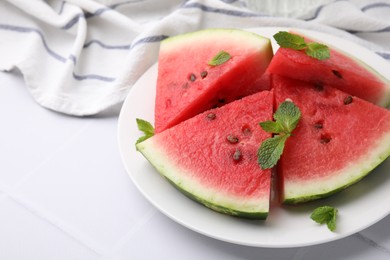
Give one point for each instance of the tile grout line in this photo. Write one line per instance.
(34, 171)
(82, 238)
(372, 243)
(122, 241)
(300, 253)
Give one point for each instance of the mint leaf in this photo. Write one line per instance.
(287, 117)
(292, 41)
(220, 58)
(318, 51)
(146, 128)
(271, 150)
(271, 127)
(325, 215)
(289, 40)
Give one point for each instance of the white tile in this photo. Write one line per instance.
(89, 190)
(28, 129)
(379, 235)
(352, 247)
(26, 236)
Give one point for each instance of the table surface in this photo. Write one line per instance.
(64, 194)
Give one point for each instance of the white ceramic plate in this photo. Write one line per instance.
(360, 206)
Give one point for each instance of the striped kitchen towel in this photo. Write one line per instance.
(81, 57)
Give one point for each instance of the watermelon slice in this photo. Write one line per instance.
(339, 139)
(187, 85)
(212, 157)
(341, 70)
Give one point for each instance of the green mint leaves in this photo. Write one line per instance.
(220, 58)
(146, 128)
(286, 118)
(292, 41)
(270, 151)
(325, 215)
(318, 51)
(289, 40)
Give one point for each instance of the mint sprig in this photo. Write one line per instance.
(145, 127)
(286, 118)
(220, 58)
(325, 215)
(292, 41)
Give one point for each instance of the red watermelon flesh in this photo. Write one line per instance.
(212, 157)
(341, 70)
(260, 84)
(187, 85)
(339, 140)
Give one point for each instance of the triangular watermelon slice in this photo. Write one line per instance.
(339, 139)
(212, 157)
(341, 71)
(188, 85)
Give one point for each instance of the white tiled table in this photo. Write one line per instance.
(64, 194)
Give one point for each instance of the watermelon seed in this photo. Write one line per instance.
(237, 156)
(348, 100)
(232, 139)
(192, 77)
(325, 139)
(318, 87)
(203, 74)
(211, 116)
(337, 74)
(318, 125)
(221, 100)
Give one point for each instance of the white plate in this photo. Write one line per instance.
(360, 206)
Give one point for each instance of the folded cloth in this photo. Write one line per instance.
(81, 57)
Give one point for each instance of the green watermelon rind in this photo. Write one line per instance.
(357, 171)
(219, 208)
(163, 166)
(173, 41)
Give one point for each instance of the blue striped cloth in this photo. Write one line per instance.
(82, 57)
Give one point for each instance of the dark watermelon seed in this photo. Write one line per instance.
(325, 139)
(192, 77)
(232, 139)
(211, 116)
(319, 87)
(203, 74)
(348, 100)
(221, 100)
(237, 156)
(319, 125)
(337, 74)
